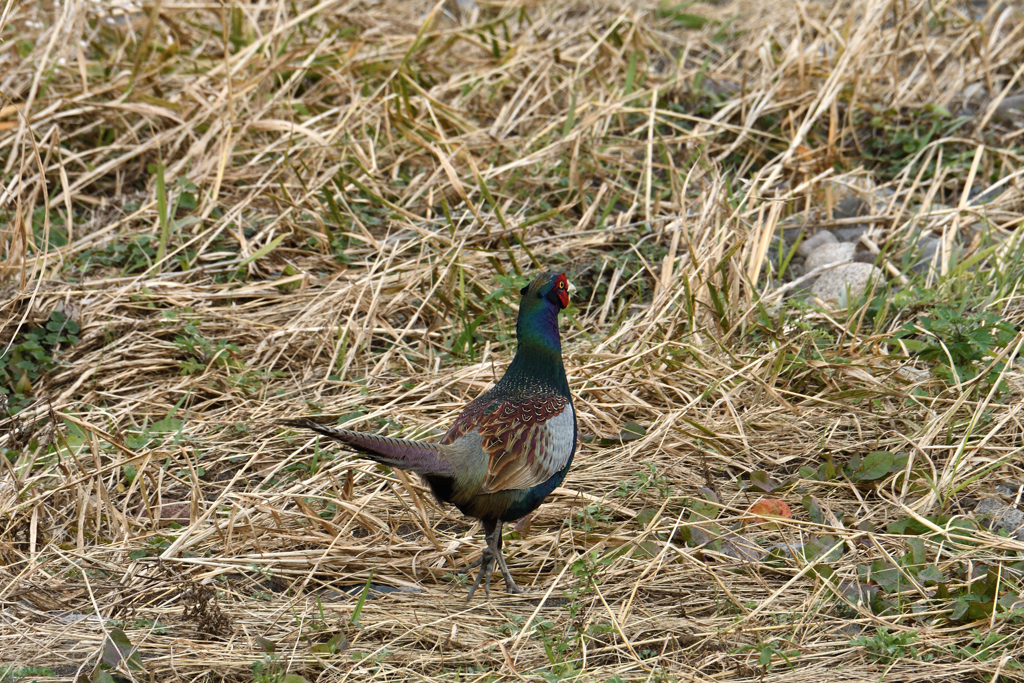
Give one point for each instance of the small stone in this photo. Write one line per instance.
(467, 8)
(456, 12)
(777, 252)
(979, 195)
(1008, 488)
(1010, 107)
(981, 8)
(874, 201)
(68, 617)
(928, 247)
(851, 186)
(814, 241)
(913, 374)
(989, 506)
(771, 259)
(741, 548)
(851, 207)
(853, 277)
(1005, 517)
(721, 86)
(852, 630)
(793, 227)
(851, 233)
(839, 252)
(880, 199)
(787, 549)
(864, 257)
(332, 595)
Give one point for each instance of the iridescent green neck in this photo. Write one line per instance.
(539, 354)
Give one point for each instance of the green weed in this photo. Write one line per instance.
(961, 592)
(887, 647)
(591, 517)
(959, 342)
(130, 254)
(645, 480)
(562, 643)
(768, 651)
(269, 669)
(891, 137)
(986, 646)
(10, 673)
(32, 355)
(202, 353)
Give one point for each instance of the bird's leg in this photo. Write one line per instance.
(478, 561)
(510, 584)
(491, 556)
(486, 561)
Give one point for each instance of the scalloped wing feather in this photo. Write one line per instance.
(527, 441)
(468, 419)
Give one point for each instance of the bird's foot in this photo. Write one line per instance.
(472, 565)
(486, 564)
(488, 559)
(510, 584)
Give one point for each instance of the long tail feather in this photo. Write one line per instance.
(415, 456)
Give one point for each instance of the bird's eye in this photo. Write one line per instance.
(561, 285)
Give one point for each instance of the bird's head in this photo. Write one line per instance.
(554, 288)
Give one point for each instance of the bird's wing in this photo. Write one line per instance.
(470, 418)
(527, 440)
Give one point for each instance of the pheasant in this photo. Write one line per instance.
(509, 448)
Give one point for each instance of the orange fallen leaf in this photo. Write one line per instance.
(769, 507)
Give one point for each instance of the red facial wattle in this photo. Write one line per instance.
(562, 289)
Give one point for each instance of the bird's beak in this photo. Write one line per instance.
(571, 288)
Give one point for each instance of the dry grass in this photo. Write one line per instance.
(363, 176)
